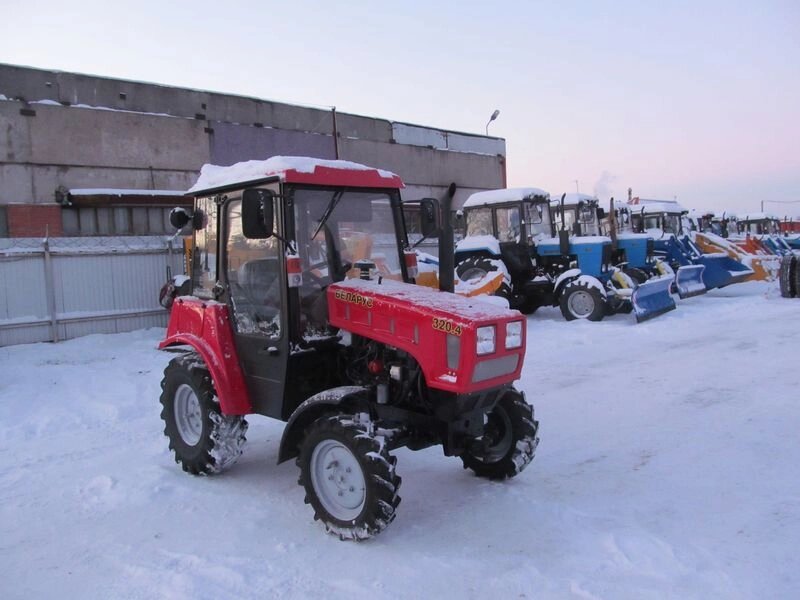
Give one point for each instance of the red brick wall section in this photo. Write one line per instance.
(33, 220)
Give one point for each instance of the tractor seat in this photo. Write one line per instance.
(259, 278)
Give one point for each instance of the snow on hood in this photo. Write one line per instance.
(213, 176)
(504, 195)
(430, 299)
(479, 242)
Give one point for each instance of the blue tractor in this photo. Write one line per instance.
(633, 253)
(511, 231)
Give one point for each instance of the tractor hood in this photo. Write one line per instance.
(463, 345)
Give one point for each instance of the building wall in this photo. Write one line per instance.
(80, 131)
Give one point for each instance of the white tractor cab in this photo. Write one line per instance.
(758, 224)
(580, 214)
(659, 218)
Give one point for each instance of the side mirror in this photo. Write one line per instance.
(179, 217)
(257, 214)
(601, 213)
(429, 217)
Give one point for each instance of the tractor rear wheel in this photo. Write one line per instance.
(349, 477)
(579, 300)
(788, 277)
(474, 268)
(509, 439)
(203, 439)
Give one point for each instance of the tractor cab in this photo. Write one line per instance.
(579, 214)
(759, 224)
(302, 307)
(522, 218)
(657, 222)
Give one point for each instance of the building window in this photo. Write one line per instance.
(3, 222)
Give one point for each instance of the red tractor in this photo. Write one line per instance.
(303, 309)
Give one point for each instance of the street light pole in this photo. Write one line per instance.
(495, 114)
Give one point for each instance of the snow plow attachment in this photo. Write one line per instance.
(721, 270)
(758, 267)
(652, 298)
(689, 281)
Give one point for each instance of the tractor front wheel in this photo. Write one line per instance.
(349, 477)
(203, 439)
(579, 300)
(509, 440)
(474, 269)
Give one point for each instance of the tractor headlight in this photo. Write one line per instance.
(513, 335)
(486, 337)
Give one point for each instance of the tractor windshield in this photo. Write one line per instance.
(479, 222)
(335, 230)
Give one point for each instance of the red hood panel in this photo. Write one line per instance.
(419, 320)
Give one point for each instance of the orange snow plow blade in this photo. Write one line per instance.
(488, 285)
(765, 267)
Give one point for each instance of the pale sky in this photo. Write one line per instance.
(697, 100)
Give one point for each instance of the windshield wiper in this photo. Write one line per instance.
(337, 195)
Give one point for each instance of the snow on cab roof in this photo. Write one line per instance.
(503, 195)
(298, 169)
(757, 216)
(649, 206)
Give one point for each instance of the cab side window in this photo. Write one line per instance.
(204, 254)
(253, 271)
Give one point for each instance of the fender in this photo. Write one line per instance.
(205, 326)
(351, 396)
(563, 279)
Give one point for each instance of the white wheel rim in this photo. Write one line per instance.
(188, 416)
(580, 304)
(338, 480)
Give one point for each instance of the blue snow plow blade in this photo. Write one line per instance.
(689, 281)
(652, 298)
(722, 270)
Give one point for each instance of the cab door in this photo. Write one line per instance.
(253, 273)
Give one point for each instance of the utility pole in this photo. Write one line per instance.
(577, 189)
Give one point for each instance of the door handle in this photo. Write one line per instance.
(271, 350)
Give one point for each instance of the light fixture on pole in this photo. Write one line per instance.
(495, 114)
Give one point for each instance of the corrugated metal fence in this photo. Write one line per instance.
(63, 288)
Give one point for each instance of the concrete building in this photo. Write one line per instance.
(85, 155)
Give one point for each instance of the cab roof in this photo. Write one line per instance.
(293, 169)
(503, 195)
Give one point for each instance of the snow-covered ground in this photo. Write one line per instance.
(668, 468)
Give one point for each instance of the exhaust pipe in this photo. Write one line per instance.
(447, 246)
